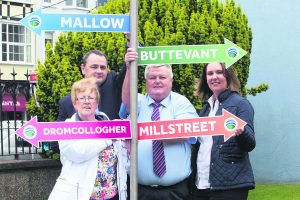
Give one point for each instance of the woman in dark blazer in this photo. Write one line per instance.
(222, 170)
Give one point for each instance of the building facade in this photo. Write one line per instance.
(20, 48)
(20, 51)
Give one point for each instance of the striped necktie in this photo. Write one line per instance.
(159, 163)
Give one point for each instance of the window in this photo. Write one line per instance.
(79, 3)
(15, 43)
(49, 38)
(69, 2)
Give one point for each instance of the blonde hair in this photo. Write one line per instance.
(84, 85)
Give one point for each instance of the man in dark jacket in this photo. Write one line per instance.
(110, 87)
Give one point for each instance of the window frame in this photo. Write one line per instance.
(85, 2)
(18, 44)
(76, 3)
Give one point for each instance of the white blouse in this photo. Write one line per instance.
(204, 153)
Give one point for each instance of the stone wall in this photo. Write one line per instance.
(28, 179)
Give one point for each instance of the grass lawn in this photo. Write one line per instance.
(275, 192)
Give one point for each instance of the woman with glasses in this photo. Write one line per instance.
(91, 168)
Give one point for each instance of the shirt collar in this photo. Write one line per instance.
(165, 102)
(213, 101)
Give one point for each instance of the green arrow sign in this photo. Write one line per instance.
(228, 53)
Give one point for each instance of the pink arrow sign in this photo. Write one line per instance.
(35, 132)
(218, 125)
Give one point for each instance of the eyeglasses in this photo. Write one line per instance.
(84, 99)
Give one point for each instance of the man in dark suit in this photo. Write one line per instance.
(110, 86)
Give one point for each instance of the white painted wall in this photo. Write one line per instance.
(275, 60)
